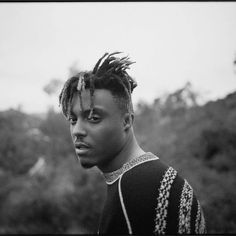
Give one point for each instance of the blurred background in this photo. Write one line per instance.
(185, 105)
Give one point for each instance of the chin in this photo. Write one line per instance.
(86, 164)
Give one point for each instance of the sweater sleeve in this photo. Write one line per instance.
(159, 201)
(190, 214)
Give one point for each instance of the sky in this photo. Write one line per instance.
(171, 43)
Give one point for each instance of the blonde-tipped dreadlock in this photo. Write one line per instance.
(108, 73)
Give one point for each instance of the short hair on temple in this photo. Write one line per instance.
(108, 73)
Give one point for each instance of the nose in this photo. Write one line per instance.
(78, 130)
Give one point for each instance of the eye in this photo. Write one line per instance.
(94, 118)
(72, 120)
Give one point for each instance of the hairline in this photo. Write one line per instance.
(124, 108)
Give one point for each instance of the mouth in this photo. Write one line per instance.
(81, 148)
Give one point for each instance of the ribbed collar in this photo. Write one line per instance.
(111, 177)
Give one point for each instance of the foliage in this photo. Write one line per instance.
(200, 142)
(61, 197)
(53, 86)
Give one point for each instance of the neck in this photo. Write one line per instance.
(130, 150)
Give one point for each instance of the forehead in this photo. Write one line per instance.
(103, 99)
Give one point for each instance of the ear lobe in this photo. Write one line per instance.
(128, 121)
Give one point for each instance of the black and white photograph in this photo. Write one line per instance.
(118, 118)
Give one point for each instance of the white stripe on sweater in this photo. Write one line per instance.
(123, 207)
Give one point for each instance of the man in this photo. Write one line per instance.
(144, 196)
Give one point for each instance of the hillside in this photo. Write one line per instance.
(200, 142)
(44, 190)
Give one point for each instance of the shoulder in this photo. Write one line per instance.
(150, 177)
(158, 198)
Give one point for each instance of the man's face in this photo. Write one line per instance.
(99, 139)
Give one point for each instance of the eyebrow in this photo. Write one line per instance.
(87, 111)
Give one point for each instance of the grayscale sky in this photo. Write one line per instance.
(172, 43)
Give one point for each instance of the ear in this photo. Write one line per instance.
(128, 121)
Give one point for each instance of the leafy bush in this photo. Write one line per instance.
(61, 197)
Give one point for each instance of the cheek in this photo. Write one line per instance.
(108, 135)
(71, 134)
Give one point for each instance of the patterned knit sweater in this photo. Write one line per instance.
(146, 196)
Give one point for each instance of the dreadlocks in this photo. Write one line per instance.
(108, 73)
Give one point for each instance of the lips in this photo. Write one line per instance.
(81, 145)
(81, 148)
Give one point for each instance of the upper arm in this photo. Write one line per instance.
(162, 204)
